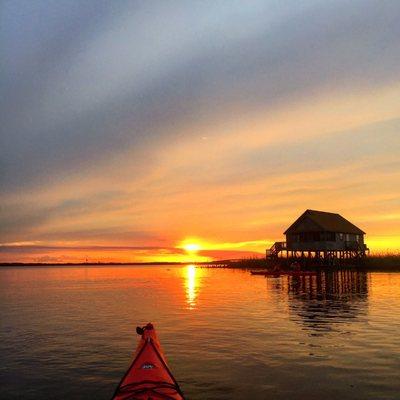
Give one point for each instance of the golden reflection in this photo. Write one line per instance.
(191, 286)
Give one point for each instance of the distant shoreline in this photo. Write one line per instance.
(20, 264)
(384, 263)
(84, 264)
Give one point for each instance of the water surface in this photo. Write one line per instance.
(69, 332)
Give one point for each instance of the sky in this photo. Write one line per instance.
(194, 130)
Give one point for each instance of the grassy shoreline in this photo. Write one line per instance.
(379, 262)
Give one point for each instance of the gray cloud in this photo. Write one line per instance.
(81, 84)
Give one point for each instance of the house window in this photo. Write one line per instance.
(341, 236)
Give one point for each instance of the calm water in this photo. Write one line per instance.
(69, 332)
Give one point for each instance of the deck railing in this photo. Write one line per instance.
(279, 246)
(276, 248)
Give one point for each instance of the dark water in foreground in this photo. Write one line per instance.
(69, 332)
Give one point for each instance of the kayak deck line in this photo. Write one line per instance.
(123, 388)
(148, 377)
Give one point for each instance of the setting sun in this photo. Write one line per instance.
(192, 247)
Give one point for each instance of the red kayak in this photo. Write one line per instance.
(148, 377)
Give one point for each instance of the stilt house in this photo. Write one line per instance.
(321, 235)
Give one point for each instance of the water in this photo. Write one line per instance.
(68, 332)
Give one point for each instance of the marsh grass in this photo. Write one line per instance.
(373, 262)
(383, 262)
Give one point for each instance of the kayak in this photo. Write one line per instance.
(148, 376)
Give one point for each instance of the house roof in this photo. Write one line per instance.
(328, 222)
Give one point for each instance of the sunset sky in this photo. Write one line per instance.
(194, 130)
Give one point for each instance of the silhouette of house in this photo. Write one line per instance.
(321, 235)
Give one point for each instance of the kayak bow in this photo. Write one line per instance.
(148, 377)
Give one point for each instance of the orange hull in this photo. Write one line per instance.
(148, 377)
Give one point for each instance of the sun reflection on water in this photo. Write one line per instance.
(191, 286)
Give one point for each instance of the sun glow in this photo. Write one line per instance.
(192, 247)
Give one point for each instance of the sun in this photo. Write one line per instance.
(191, 247)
